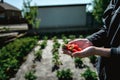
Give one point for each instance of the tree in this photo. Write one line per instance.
(30, 14)
(98, 8)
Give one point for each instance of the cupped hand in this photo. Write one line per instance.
(82, 43)
(85, 52)
(67, 52)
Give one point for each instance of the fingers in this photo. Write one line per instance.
(74, 41)
(83, 44)
(67, 52)
(77, 54)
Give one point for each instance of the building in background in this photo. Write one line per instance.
(9, 14)
(66, 17)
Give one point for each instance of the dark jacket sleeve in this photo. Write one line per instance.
(115, 51)
(99, 38)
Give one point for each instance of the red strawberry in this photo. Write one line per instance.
(72, 47)
(79, 49)
(76, 46)
(74, 50)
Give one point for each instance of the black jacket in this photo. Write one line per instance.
(109, 37)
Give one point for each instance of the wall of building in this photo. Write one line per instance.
(62, 16)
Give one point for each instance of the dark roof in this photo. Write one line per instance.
(62, 5)
(7, 6)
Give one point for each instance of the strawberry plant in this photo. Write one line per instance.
(3, 76)
(43, 44)
(56, 59)
(45, 38)
(56, 44)
(72, 37)
(81, 36)
(54, 39)
(38, 55)
(93, 59)
(64, 74)
(65, 40)
(12, 55)
(54, 50)
(78, 62)
(30, 75)
(89, 74)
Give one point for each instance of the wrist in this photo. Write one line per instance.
(102, 51)
(94, 50)
(91, 44)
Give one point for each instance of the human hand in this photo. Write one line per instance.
(82, 43)
(92, 50)
(70, 48)
(85, 52)
(67, 52)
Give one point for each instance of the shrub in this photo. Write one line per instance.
(38, 55)
(12, 55)
(64, 74)
(89, 74)
(30, 75)
(93, 59)
(56, 59)
(78, 62)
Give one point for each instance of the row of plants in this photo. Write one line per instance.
(13, 55)
(55, 54)
(63, 74)
(30, 75)
(44, 42)
(38, 53)
(67, 74)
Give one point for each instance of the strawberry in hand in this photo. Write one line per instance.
(72, 47)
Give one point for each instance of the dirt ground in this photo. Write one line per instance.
(44, 68)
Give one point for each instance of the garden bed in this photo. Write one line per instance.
(45, 69)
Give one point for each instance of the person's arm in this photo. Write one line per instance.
(92, 50)
(99, 38)
(105, 52)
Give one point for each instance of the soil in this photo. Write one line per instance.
(44, 67)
